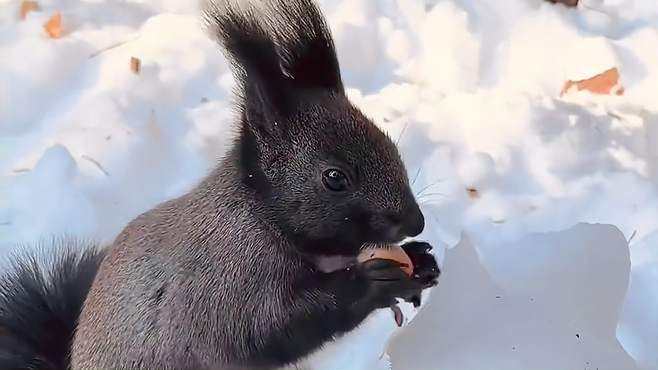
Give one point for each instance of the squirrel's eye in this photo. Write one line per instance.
(335, 180)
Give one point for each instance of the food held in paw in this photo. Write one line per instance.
(392, 252)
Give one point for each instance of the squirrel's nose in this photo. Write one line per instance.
(413, 221)
(408, 223)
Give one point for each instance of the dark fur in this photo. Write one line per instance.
(226, 276)
(40, 302)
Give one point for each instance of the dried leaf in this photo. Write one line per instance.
(28, 6)
(605, 83)
(54, 26)
(473, 193)
(135, 65)
(571, 3)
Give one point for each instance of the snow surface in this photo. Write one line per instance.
(550, 261)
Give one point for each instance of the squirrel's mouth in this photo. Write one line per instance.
(331, 263)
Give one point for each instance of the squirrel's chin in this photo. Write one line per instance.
(329, 264)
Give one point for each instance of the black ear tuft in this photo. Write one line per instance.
(253, 53)
(278, 48)
(306, 45)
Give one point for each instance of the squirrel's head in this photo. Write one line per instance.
(326, 174)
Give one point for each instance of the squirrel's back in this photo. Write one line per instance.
(172, 268)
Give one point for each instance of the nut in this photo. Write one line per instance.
(392, 252)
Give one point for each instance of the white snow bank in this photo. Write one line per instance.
(637, 329)
(540, 314)
(503, 167)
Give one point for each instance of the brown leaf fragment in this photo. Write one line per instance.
(54, 26)
(571, 3)
(135, 65)
(473, 193)
(27, 7)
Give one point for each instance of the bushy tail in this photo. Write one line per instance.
(40, 301)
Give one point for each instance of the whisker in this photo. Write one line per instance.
(431, 194)
(428, 186)
(417, 173)
(430, 202)
(433, 198)
(397, 142)
(374, 245)
(430, 224)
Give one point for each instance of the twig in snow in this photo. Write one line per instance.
(92, 160)
(595, 9)
(615, 115)
(113, 46)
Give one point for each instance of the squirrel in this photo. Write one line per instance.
(227, 275)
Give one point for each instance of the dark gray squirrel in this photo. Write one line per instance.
(228, 275)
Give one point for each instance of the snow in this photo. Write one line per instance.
(550, 260)
(574, 304)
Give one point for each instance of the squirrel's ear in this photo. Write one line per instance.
(306, 46)
(280, 50)
(266, 91)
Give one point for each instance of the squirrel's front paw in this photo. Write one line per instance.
(387, 282)
(426, 269)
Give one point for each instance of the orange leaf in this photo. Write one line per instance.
(135, 65)
(603, 83)
(28, 6)
(54, 26)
